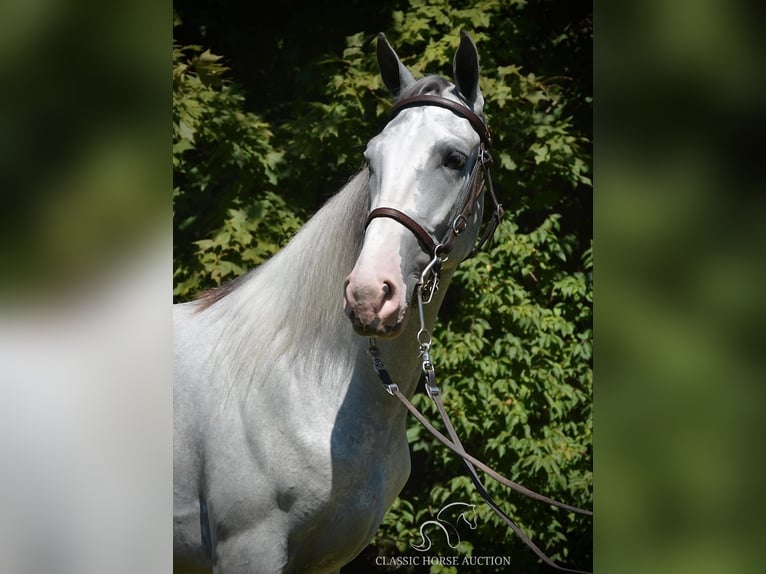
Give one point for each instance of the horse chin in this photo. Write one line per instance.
(377, 329)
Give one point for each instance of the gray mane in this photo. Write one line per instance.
(348, 206)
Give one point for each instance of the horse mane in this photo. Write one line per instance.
(291, 303)
(209, 297)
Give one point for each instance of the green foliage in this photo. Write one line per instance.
(226, 215)
(325, 140)
(514, 365)
(513, 346)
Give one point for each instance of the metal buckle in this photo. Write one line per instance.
(380, 368)
(427, 286)
(430, 383)
(391, 388)
(459, 224)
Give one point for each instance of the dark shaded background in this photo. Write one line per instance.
(85, 415)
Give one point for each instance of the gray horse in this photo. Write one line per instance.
(288, 451)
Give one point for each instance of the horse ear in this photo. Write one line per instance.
(466, 71)
(395, 75)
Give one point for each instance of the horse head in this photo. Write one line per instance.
(425, 180)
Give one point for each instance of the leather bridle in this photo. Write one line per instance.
(471, 194)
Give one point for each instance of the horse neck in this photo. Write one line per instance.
(289, 310)
(285, 318)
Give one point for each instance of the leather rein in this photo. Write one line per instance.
(425, 289)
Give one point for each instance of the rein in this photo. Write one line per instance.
(427, 286)
(480, 176)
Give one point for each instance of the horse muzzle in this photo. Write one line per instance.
(376, 305)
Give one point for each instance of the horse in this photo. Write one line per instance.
(287, 451)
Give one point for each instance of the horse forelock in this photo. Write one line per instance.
(438, 86)
(433, 84)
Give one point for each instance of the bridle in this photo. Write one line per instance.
(471, 192)
(427, 286)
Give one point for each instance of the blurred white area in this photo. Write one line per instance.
(86, 425)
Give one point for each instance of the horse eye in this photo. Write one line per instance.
(455, 160)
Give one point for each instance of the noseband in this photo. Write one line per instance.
(471, 194)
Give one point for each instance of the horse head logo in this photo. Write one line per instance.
(449, 528)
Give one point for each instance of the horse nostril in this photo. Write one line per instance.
(387, 289)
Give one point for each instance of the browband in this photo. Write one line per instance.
(459, 109)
